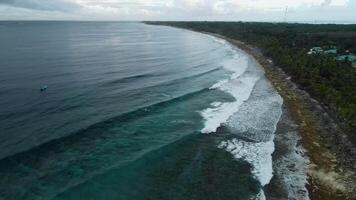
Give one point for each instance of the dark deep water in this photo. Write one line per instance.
(124, 113)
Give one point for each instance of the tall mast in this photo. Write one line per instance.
(285, 15)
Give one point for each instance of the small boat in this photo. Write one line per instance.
(44, 88)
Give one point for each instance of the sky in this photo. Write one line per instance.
(181, 10)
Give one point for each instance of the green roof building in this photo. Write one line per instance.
(350, 57)
(315, 50)
(331, 51)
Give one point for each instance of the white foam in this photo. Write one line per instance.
(216, 39)
(258, 117)
(292, 167)
(237, 65)
(257, 154)
(238, 85)
(219, 84)
(253, 116)
(256, 122)
(240, 89)
(216, 104)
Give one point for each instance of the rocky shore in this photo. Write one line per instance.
(315, 156)
(329, 153)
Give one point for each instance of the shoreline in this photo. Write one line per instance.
(329, 152)
(332, 165)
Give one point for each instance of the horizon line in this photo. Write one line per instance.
(316, 22)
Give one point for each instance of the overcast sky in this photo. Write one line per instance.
(227, 10)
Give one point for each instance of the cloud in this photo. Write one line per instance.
(326, 3)
(335, 3)
(44, 5)
(225, 7)
(339, 3)
(184, 6)
(174, 9)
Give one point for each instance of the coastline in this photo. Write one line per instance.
(332, 165)
(324, 143)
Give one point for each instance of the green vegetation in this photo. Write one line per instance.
(326, 79)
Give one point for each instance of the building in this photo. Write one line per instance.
(348, 57)
(332, 51)
(315, 50)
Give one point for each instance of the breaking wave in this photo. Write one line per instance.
(239, 85)
(252, 118)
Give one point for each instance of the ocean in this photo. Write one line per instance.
(131, 111)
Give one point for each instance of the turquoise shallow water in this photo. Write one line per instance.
(94, 72)
(190, 168)
(121, 118)
(124, 113)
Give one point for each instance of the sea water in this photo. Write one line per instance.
(131, 111)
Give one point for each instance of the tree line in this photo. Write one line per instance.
(329, 81)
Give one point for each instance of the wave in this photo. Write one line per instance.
(72, 159)
(291, 167)
(257, 154)
(254, 127)
(165, 82)
(98, 127)
(239, 85)
(237, 65)
(132, 78)
(217, 40)
(240, 89)
(95, 149)
(252, 117)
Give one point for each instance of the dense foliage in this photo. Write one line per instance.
(331, 82)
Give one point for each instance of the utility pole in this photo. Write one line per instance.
(285, 15)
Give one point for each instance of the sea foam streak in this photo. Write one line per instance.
(253, 116)
(255, 124)
(239, 85)
(240, 89)
(257, 154)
